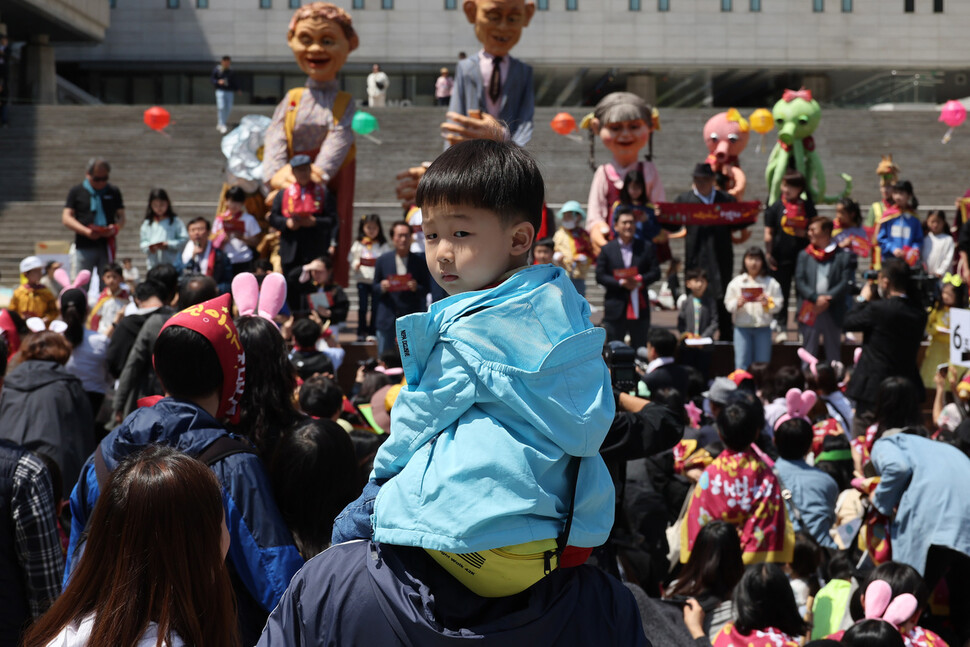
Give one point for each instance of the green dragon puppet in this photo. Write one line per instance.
(796, 116)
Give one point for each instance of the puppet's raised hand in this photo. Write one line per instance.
(407, 183)
(478, 125)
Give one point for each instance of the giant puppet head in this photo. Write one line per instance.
(624, 122)
(321, 36)
(796, 116)
(726, 135)
(499, 23)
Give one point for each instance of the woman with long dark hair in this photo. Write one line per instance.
(163, 234)
(88, 360)
(132, 589)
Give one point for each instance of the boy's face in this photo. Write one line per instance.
(542, 255)
(111, 281)
(34, 275)
(791, 192)
(468, 248)
(234, 207)
(697, 287)
(126, 263)
(498, 23)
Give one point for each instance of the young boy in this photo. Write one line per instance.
(307, 361)
(543, 252)
(33, 299)
(495, 438)
(200, 362)
(316, 278)
(112, 301)
(130, 272)
(697, 319)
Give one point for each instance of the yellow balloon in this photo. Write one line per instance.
(761, 121)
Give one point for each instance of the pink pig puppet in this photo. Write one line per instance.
(726, 135)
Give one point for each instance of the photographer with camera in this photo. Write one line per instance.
(640, 429)
(890, 314)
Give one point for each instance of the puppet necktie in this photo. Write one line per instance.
(495, 82)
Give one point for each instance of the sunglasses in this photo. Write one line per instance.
(99, 178)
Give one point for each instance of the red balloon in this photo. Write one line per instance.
(157, 118)
(563, 123)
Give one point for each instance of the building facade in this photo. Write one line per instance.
(676, 52)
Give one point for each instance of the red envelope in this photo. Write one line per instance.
(398, 282)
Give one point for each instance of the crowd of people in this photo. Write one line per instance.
(502, 469)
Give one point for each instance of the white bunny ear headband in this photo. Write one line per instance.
(251, 300)
(36, 324)
(63, 278)
(813, 362)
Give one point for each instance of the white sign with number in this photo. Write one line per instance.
(960, 337)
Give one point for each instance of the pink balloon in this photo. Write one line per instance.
(953, 114)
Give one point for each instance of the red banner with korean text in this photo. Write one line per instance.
(723, 213)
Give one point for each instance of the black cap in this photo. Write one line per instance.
(704, 170)
(300, 160)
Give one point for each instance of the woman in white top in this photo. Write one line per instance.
(752, 298)
(153, 571)
(938, 245)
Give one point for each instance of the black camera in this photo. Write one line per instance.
(870, 275)
(621, 360)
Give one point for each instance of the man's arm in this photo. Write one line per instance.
(604, 273)
(276, 218)
(38, 545)
(804, 285)
(71, 222)
(649, 269)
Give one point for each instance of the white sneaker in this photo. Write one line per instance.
(222, 129)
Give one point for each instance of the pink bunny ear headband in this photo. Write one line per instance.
(881, 605)
(812, 362)
(250, 300)
(36, 324)
(62, 277)
(799, 404)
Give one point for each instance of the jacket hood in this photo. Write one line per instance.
(182, 425)
(34, 374)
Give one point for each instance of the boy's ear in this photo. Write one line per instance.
(523, 234)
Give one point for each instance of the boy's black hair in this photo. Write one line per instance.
(546, 242)
(320, 396)
(793, 439)
(763, 598)
(326, 260)
(112, 267)
(663, 341)
(186, 364)
(480, 173)
(148, 289)
(236, 194)
(785, 379)
(306, 332)
(695, 273)
(167, 276)
(794, 179)
(196, 290)
(740, 420)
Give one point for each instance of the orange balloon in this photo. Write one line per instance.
(157, 118)
(563, 123)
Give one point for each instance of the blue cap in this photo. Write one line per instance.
(572, 207)
(300, 160)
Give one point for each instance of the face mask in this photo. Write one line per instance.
(568, 224)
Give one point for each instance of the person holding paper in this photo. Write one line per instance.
(752, 297)
(625, 268)
(401, 283)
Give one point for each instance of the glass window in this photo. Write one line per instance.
(908, 6)
(201, 4)
(663, 5)
(542, 5)
(818, 6)
(725, 5)
(634, 5)
(755, 5)
(387, 4)
(172, 4)
(295, 4)
(572, 5)
(846, 6)
(265, 4)
(451, 4)
(112, 3)
(357, 4)
(937, 6)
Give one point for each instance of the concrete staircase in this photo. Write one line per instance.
(44, 153)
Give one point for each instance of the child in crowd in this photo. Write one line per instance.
(543, 252)
(478, 403)
(32, 298)
(573, 248)
(738, 487)
(130, 272)
(938, 245)
(752, 297)
(306, 359)
(322, 295)
(162, 233)
(236, 231)
(697, 319)
(848, 232)
(813, 492)
(900, 231)
(198, 359)
(112, 301)
(952, 295)
(370, 244)
(767, 615)
(802, 574)
(786, 234)
(634, 194)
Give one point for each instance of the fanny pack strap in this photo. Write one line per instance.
(563, 537)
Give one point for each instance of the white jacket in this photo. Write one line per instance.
(752, 315)
(78, 634)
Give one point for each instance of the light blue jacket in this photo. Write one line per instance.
(171, 232)
(927, 482)
(503, 386)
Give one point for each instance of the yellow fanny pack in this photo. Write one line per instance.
(500, 572)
